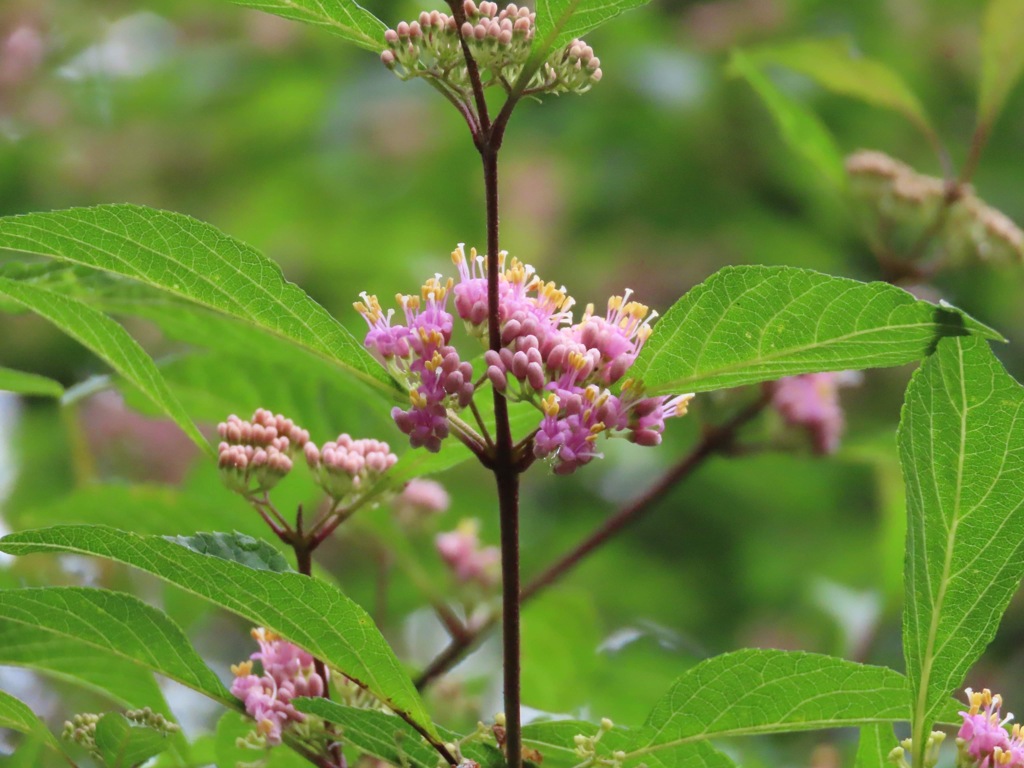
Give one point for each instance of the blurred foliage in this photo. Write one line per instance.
(671, 168)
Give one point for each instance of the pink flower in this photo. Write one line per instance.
(257, 454)
(568, 371)
(346, 467)
(288, 672)
(983, 731)
(811, 401)
(420, 498)
(462, 552)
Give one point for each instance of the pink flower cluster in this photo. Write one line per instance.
(419, 354)
(419, 499)
(568, 370)
(256, 454)
(983, 736)
(811, 401)
(288, 672)
(461, 551)
(345, 468)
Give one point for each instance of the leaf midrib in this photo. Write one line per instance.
(920, 709)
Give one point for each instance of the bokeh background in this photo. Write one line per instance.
(311, 151)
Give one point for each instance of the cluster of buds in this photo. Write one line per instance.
(287, 672)
(931, 752)
(499, 41)
(418, 354)
(81, 729)
(461, 551)
(811, 402)
(254, 455)
(901, 206)
(586, 746)
(346, 468)
(574, 373)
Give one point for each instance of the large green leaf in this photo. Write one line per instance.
(754, 692)
(80, 663)
(241, 548)
(801, 129)
(749, 324)
(961, 440)
(109, 341)
(114, 623)
(835, 65)
(194, 261)
(573, 18)
(344, 18)
(382, 736)
(18, 716)
(1002, 56)
(876, 742)
(156, 509)
(24, 383)
(307, 611)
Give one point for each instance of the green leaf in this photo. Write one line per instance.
(18, 716)
(23, 383)
(237, 548)
(109, 341)
(228, 753)
(1002, 56)
(385, 737)
(306, 611)
(194, 261)
(114, 623)
(80, 663)
(835, 65)
(961, 441)
(749, 324)
(555, 740)
(876, 742)
(344, 18)
(801, 128)
(30, 753)
(754, 692)
(573, 18)
(123, 745)
(156, 509)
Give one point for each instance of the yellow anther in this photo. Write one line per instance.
(458, 255)
(264, 635)
(431, 336)
(417, 398)
(434, 362)
(577, 361)
(434, 289)
(550, 406)
(369, 307)
(243, 669)
(265, 726)
(517, 272)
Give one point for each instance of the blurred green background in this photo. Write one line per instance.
(311, 151)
